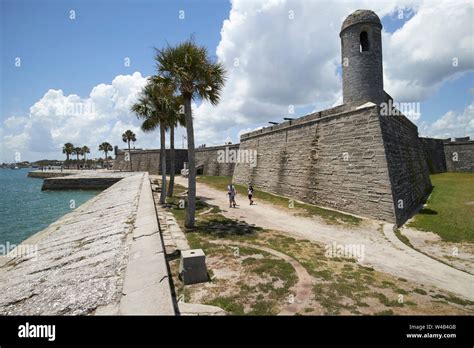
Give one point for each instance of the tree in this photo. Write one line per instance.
(127, 137)
(85, 150)
(196, 76)
(154, 108)
(68, 149)
(176, 120)
(105, 147)
(77, 151)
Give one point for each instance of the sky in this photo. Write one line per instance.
(70, 70)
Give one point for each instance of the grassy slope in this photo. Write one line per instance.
(447, 212)
(330, 216)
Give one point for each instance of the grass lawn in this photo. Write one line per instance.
(450, 209)
(330, 216)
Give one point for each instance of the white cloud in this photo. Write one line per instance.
(451, 124)
(274, 63)
(57, 118)
(15, 122)
(282, 61)
(434, 46)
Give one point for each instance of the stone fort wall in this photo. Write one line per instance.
(433, 150)
(149, 160)
(446, 155)
(333, 158)
(409, 173)
(459, 155)
(337, 159)
(207, 160)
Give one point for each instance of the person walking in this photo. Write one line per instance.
(231, 192)
(250, 193)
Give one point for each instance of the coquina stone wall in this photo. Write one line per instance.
(446, 155)
(409, 173)
(333, 158)
(434, 154)
(342, 159)
(459, 155)
(210, 160)
(149, 160)
(207, 160)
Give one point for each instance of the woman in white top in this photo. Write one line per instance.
(250, 193)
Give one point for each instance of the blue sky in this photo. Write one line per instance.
(86, 55)
(75, 55)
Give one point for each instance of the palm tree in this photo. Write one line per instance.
(85, 150)
(68, 149)
(178, 119)
(105, 147)
(77, 151)
(154, 107)
(196, 76)
(127, 137)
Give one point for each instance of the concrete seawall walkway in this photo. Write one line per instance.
(86, 180)
(102, 258)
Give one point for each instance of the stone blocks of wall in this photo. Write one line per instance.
(434, 154)
(149, 161)
(362, 72)
(336, 160)
(409, 173)
(459, 155)
(209, 163)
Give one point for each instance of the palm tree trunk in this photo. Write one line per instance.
(191, 208)
(172, 162)
(106, 166)
(130, 156)
(163, 164)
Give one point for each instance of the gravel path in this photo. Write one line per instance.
(383, 250)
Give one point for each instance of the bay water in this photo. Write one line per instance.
(25, 209)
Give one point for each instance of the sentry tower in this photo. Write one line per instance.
(362, 70)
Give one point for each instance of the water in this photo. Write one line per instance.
(25, 209)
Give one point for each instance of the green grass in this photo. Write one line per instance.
(403, 238)
(450, 209)
(330, 216)
(230, 304)
(420, 291)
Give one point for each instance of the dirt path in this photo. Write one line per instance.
(302, 289)
(382, 251)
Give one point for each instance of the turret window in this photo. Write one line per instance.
(364, 41)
